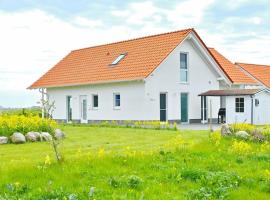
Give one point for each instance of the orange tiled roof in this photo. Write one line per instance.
(260, 72)
(233, 72)
(92, 65)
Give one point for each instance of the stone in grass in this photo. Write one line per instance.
(225, 130)
(38, 136)
(32, 136)
(58, 134)
(242, 134)
(3, 140)
(45, 136)
(257, 135)
(17, 138)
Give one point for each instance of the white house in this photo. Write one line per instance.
(156, 77)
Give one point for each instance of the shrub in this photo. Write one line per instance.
(15, 123)
(215, 185)
(114, 182)
(266, 132)
(134, 181)
(192, 174)
(242, 127)
(257, 136)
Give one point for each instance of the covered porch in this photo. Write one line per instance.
(235, 106)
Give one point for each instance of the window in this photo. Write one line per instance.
(95, 101)
(119, 58)
(117, 100)
(239, 105)
(257, 102)
(183, 67)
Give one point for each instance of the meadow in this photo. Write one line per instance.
(130, 163)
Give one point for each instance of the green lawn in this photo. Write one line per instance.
(126, 163)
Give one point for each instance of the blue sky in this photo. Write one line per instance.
(35, 35)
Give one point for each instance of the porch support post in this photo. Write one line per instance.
(203, 108)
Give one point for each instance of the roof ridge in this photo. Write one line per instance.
(252, 64)
(138, 38)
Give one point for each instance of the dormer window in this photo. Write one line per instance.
(119, 58)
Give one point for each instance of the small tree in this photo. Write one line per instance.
(48, 107)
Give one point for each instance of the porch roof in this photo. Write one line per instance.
(231, 92)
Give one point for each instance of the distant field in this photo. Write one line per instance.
(127, 163)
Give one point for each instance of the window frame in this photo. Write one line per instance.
(93, 102)
(114, 100)
(119, 58)
(182, 69)
(238, 107)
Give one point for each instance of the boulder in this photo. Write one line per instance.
(242, 135)
(257, 135)
(45, 136)
(37, 134)
(3, 140)
(32, 136)
(225, 130)
(17, 138)
(58, 134)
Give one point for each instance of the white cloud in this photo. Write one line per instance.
(82, 21)
(33, 41)
(256, 20)
(184, 14)
(139, 13)
(188, 13)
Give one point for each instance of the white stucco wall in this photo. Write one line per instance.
(166, 78)
(234, 117)
(262, 111)
(132, 101)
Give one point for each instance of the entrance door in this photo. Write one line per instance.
(163, 106)
(184, 107)
(83, 106)
(69, 108)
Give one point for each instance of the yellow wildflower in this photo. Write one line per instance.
(264, 147)
(241, 147)
(101, 152)
(47, 160)
(267, 174)
(17, 184)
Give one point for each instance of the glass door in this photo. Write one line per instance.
(83, 105)
(69, 108)
(184, 107)
(163, 106)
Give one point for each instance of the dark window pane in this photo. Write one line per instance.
(117, 100)
(95, 99)
(162, 101)
(162, 115)
(241, 109)
(183, 61)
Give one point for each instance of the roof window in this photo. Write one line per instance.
(119, 58)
